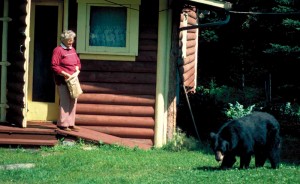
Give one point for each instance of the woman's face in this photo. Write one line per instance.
(68, 42)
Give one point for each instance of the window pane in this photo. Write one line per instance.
(108, 26)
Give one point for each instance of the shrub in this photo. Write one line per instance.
(225, 94)
(285, 111)
(181, 142)
(238, 110)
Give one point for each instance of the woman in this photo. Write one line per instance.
(65, 62)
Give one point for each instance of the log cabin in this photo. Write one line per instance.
(133, 56)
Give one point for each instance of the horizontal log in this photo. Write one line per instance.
(31, 142)
(26, 136)
(16, 86)
(187, 60)
(192, 13)
(191, 43)
(190, 51)
(148, 45)
(13, 118)
(142, 141)
(117, 110)
(192, 20)
(16, 56)
(191, 58)
(190, 82)
(190, 10)
(15, 76)
(192, 36)
(114, 66)
(144, 35)
(189, 74)
(105, 120)
(15, 98)
(124, 132)
(118, 77)
(192, 31)
(17, 65)
(118, 88)
(187, 67)
(15, 110)
(116, 99)
(17, 130)
(145, 56)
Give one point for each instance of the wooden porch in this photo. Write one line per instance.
(47, 134)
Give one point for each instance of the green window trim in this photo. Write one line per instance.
(102, 49)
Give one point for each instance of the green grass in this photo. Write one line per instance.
(112, 164)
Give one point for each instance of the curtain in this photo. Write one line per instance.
(108, 26)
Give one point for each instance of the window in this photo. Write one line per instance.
(108, 29)
(108, 32)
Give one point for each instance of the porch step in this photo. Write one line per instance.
(33, 135)
(45, 134)
(28, 142)
(95, 136)
(29, 130)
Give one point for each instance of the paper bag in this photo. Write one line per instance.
(74, 86)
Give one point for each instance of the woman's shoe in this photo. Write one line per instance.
(65, 128)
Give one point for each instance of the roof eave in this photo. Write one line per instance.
(224, 5)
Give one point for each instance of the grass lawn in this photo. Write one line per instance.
(83, 163)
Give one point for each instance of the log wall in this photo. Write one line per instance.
(119, 96)
(16, 71)
(188, 45)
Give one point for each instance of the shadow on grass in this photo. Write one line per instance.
(208, 168)
(214, 168)
(290, 150)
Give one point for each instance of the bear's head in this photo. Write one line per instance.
(219, 146)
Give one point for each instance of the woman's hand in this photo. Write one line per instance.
(65, 75)
(77, 72)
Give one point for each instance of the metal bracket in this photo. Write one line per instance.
(4, 106)
(5, 19)
(5, 63)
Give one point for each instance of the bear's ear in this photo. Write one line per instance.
(212, 135)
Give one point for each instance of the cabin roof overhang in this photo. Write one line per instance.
(227, 6)
(219, 4)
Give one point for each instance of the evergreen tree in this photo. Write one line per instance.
(261, 46)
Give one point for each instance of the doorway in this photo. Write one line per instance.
(46, 25)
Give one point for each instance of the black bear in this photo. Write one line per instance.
(254, 134)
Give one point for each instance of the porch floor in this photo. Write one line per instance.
(46, 134)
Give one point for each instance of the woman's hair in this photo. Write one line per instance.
(67, 34)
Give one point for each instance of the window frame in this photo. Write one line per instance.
(127, 53)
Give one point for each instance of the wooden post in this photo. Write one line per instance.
(172, 102)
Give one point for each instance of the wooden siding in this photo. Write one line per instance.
(47, 134)
(34, 135)
(119, 96)
(188, 46)
(16, 72)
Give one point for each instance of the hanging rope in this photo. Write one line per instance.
(191, 112)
